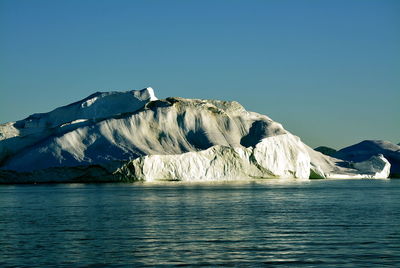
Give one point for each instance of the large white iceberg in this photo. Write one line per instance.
(127, 136)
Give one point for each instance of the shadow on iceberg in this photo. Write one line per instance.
(130, 136)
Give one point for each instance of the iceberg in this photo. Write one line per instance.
(132, 135)
(323, 166)
(281, 156)
(372, 148)
(17, 136)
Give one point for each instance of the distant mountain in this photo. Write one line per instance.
(325, 150)
(368, 148)
(129, 136)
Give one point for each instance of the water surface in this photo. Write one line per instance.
(332, 223)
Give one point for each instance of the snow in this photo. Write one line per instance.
(323, 166)
(269, 159)
(171, 126)
(369, 148)
(15, 136)
(378, 166)
(134, 136)
(151, 94)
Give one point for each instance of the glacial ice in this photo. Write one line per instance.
(323, 166)
(282, 156)
(120, 136)
(17, 136)
(370, 148)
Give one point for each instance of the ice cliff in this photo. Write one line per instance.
(128, 136)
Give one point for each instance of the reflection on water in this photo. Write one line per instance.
(351, 223)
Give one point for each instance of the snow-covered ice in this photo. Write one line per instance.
(369, 148)
(134, 136)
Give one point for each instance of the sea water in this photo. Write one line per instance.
(323, 223)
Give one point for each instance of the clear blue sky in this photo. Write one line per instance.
(329, 71)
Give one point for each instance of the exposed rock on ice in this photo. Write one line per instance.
(127, 136)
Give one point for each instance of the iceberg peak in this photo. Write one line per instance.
(150, 91)
(96, 107)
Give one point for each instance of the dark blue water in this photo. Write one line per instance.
(337, 223)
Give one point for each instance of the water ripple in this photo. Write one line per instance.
(299, 224)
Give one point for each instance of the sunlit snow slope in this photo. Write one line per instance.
(128, 136)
